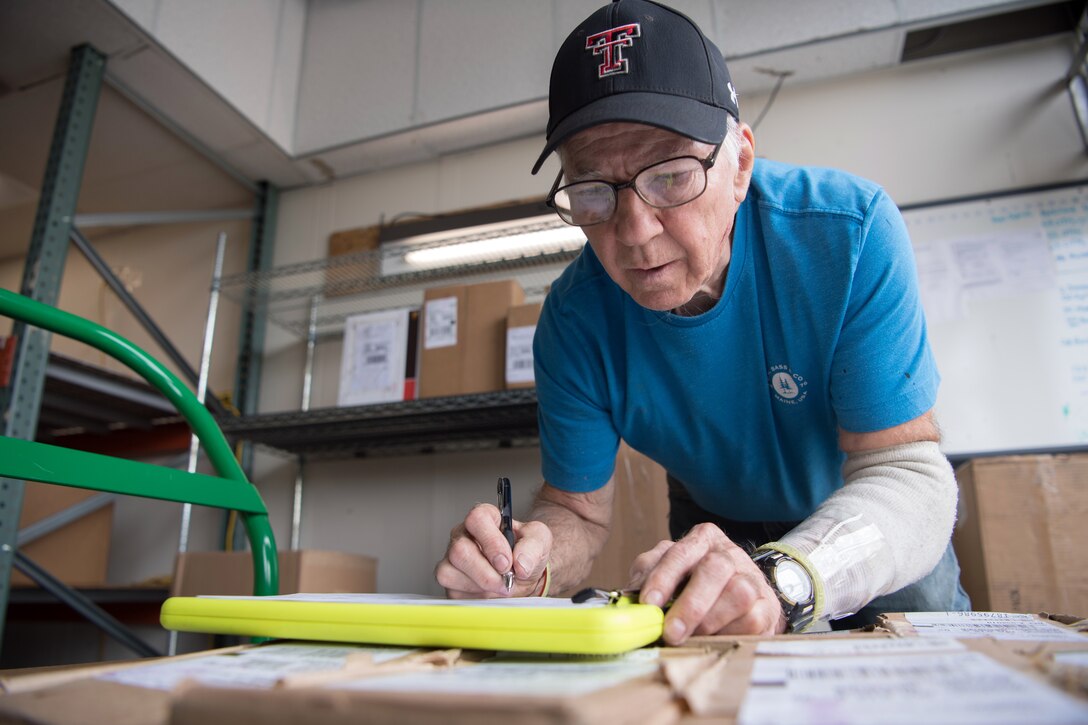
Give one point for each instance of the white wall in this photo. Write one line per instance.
(249, 51)
(954, 126)
(945, 127)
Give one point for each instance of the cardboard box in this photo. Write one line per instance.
(640, 518)
(350, 241)
(463, 346)
(379, 359)
(1021, 538)
(307, 570)
(520, 327)
(78, 553)
(362, 244)
(707, 681)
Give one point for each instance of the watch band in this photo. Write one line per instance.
(800, 613)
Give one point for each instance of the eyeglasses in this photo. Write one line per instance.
(662, 185)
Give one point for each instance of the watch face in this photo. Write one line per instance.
(793, 581)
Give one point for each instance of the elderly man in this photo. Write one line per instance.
(755, 328)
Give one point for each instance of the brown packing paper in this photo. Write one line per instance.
(363, 665)
(708, 684)
(1071, 678)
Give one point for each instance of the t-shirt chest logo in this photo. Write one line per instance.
(610, 44)
(787, 386)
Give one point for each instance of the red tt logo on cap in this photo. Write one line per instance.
(610, 43)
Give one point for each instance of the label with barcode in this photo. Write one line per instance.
(372, 365)
(519, 354)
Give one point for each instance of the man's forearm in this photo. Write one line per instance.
(885, 529)
(579, 524)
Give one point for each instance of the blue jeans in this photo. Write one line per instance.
(938, 591)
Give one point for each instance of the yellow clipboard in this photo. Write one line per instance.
(516, 624)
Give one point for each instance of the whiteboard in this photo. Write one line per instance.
(1004, 282)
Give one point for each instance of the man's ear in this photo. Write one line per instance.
(745, 162)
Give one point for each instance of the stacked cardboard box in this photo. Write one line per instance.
(361, 263)
(464, 338)
(1021, 536)
(77, 553)
(307, 570)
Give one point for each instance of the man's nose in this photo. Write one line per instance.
(636, 221)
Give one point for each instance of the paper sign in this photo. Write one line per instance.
(372, 366)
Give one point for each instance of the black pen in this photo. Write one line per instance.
(506, 527)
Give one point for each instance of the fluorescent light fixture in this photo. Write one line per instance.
(483, 244)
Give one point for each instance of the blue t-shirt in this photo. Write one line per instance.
(820, 325)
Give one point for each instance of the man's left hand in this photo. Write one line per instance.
(725, 592)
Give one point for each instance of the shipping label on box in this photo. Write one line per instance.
(520, 329)
(375, 361)
(441, 325)
(519, 356)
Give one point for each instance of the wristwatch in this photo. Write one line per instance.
(793, 585)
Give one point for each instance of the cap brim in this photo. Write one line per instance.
(685, 116)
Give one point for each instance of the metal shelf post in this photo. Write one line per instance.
(42, 275)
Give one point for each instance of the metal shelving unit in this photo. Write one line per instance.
(504, 419)
(80, 398)
(311, 300)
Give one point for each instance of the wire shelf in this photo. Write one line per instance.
(338, 287)
(454, 423)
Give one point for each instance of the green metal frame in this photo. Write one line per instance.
(51, 464)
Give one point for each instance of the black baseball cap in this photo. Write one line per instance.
(641, 62)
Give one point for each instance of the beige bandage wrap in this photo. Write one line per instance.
(887, 527)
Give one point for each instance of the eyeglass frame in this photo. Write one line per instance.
(706, 164)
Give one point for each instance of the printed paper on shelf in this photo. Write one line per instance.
(373, 362)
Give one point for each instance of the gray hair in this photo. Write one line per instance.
(733, 140)
(730, 149)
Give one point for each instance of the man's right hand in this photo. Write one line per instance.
(478, 555)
